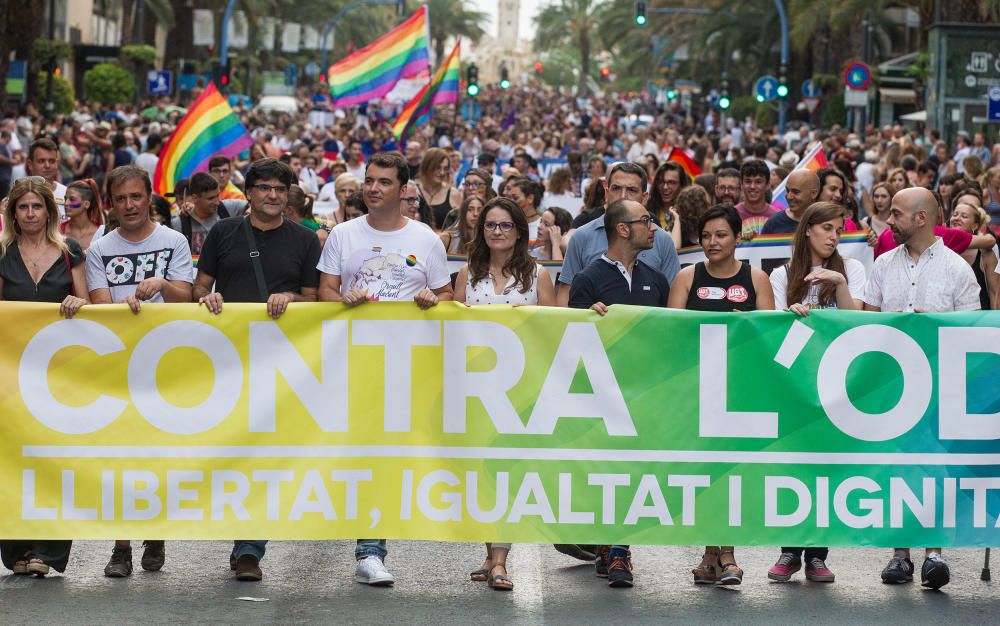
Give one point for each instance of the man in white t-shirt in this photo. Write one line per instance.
(382, 257)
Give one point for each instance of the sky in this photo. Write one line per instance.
(528, 10)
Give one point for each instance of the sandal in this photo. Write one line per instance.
(707, 572)
(500, 582)
(731, 573)
(20, 567)
(37, 567)
(480, 575)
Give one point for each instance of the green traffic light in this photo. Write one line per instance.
(760, 98)
(473, 90)
(724, 102)
(640, 19)
(505, 84)
(671, 94)
(782, 90)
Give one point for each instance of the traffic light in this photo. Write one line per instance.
(504, 78)
(224, 76)
(782, 82)
(724, 101)
(606, 74)
(472, 80)
(671, 94)
(640, 12)
(538, 68)
(400, 8)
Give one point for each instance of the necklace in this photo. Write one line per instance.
(33, 260)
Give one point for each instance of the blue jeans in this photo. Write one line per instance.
(253, 548)
(370, 547)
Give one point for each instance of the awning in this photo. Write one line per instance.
(897, 96)
(919, 116)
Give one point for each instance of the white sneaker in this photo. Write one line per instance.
(371, 571)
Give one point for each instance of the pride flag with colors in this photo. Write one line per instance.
(813, 161)
(374, 70)
(682, 159)
(209, 128)
(443, 89)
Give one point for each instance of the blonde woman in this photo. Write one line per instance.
(435, 184)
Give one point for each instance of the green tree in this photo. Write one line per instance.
(573, 22)
(453, 18)
(63, 98)
(108, 83)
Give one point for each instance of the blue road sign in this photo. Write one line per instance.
(471, 110)
(993, 108)
(766, 88)
(158, 83)
(291, 74)
(809, 89)
(858, 76)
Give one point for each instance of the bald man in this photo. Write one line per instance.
(801, 190)
(922, 274)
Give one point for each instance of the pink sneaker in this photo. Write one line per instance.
(818, 572)
(787, 565)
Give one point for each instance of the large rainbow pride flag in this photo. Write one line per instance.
(813, 161)
(374, 70)
(443, 89)
(209, 128)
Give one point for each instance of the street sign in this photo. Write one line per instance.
(855, 98)
(766, 88)
(858, 76)
(158, 83)
(809, 89)
(993, 107)
(811, 104)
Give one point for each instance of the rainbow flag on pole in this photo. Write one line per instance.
(682, 159)
(374, 70)
(813, 161)
(209, 128)
(443, 89)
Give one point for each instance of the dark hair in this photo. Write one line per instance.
(634, 169)
(123, 173)
(90, 192)
(562, 219)
(827, 172)
(202, 182)
(160, 206)
(219, 159)
(800, 265)
(521, 264)
(357, 203)
(722, 211)
(655, 202)
(42, 143)
(908, 162)
(300, 202)
(596, 194)
(729, 172)
(615, 214)
(392, 160)
(755, 167)
(529, 188)
(153, 141)
(487, 177)
(264, 169)
(927, 166)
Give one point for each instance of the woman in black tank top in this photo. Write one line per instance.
(722, 283)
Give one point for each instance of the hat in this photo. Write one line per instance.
(788, 160)
(104, 126)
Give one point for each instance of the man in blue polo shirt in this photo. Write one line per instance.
(620, 276)
(626, 181)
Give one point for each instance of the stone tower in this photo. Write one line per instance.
(508, 20)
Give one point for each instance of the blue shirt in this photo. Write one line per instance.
(590, 241)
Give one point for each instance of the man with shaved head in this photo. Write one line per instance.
(921, 274)
(801, 190)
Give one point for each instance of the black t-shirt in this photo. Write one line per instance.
(603, 282)
(56, 282)
(288, 256)
(779, 224)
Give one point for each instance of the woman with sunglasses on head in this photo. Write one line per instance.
(722, 283)
(501, 271)
(38, 264)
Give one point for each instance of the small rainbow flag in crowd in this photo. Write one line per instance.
(374, 70)
(443, 89)
(209, 128)
(679, 157)
(813, 161)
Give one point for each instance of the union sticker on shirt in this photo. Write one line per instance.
(711, 293)
(737, 293)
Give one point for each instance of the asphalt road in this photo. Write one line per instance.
(312, 582)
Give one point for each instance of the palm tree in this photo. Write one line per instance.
(453, 18)
(573, 22)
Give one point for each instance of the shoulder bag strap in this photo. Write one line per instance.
(69, 270)
(258, 270)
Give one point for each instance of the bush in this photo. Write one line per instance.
(63, 97)
(834, 111)
(45, 50)
(109, 84)
(141, 54)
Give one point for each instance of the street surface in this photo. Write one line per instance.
(312, 582)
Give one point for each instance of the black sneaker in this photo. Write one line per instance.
(898, 571)
(601, 561)
(248, 568)
(935, 572)
(120, 564)
(154, 555)
(620, 570)
(583, 553)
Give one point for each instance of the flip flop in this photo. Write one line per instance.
(500, 582)
(480, 575)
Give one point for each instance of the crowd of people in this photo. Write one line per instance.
(341, 213)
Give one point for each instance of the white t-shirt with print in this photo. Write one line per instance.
(118, 264)
(391, 266)
(853, 269)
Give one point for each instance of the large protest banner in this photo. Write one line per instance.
(528, 424)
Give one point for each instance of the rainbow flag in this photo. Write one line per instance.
(443, 89)
(209, 128)
(813, 161)
(374, 70)
(678, 156)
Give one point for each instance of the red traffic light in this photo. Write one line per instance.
(538, 67)
(605, 72)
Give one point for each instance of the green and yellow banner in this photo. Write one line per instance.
(647, 426)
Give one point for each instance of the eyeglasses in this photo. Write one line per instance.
(219, 170)
(269, 189)
(413, 200)
(644, 220)
(505, 227)
(471, 185)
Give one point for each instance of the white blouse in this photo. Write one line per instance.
(483, 292)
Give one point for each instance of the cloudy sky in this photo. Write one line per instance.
(528, 10)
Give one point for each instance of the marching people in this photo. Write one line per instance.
(38, 264)
(383, 257)
(462, 233)
(282, 272)
(139, 261)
